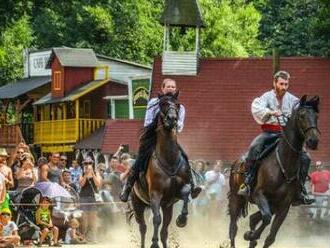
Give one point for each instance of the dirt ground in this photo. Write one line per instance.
(211, 232)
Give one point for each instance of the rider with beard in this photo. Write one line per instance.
(168, 87)
(270, 111)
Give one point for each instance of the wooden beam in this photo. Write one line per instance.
(276, 60)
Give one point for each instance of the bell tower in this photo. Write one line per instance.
(185, 14)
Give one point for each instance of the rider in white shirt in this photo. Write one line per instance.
(271, 111)
(168, 87)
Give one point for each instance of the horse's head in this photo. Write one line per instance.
(169, 107)
(306, 116)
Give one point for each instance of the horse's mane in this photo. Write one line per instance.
(148, 137)
(311, 103)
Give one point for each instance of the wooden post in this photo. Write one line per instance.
(276, 60)
(77, 119)
(64, 121)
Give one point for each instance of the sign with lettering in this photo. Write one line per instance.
(140, 89)
(37, 63)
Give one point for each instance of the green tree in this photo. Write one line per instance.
(13, 40)
(294, 26)
(231, 30)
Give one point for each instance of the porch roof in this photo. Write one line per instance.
(93, 141)
(74, 95)
(23, 86)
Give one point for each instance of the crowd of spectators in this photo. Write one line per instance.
(98, 187)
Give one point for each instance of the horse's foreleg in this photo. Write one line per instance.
(155, 207)
(278, 220)
(254, 220)
(236, 205)
(139, 208)
(181, 221)
(167, 217)
(266, 215)
(250, 235)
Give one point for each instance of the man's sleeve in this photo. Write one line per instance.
(150, 115)
(182, 115)
(259, 109)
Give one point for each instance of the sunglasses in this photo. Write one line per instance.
(5, 215)
(64, 160)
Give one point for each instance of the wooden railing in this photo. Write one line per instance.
(65, 131)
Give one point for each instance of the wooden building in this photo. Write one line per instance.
(218, 93)
(16, 98)
(86, 89)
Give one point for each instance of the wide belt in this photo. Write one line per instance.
(271, 128)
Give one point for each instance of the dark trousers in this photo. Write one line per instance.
(256, 149)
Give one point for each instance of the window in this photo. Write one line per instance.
(57, 80)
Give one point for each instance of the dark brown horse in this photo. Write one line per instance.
(166, 180)
(277, 182)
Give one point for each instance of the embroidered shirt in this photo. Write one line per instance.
(153, 109)
(262, 106)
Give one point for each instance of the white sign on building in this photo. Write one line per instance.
(35, 63)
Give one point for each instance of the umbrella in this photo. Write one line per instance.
(52, 190)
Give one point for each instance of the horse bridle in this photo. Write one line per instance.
(302, 131)
(170, 107)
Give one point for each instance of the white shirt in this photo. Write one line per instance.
(215, 182)
(9, 228)
(153, 109)
(263, 105)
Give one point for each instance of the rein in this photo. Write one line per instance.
(278, 158)
(178, 164)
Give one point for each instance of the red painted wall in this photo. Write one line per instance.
(218, 122)
(75, 77)
(56, 66)
(98, 104)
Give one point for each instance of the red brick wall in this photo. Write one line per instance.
(56, 66)
(121, 132)
(218, 121)
(75, 77)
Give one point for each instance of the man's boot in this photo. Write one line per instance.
(245, 188)
(133, 175)
(302, 197)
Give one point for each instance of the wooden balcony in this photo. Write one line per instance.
(65, 131)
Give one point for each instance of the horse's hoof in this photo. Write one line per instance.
(248, 236)
(181, 221)
(253, 244)
(154, 245)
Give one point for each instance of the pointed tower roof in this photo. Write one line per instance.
(183, 13)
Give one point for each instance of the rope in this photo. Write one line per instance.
(76, 203)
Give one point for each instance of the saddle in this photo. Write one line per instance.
(269, 146)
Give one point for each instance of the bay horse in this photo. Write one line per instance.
(277, 182)
(166, 179)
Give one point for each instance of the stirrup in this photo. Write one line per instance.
(244, 190)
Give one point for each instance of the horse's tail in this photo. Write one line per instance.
(237, 205)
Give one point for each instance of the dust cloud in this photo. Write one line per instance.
(211, 231)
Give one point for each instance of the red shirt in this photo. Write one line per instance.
(320, 180)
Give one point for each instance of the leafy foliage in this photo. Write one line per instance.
(13, 40)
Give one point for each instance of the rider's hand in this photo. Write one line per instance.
(276, 113)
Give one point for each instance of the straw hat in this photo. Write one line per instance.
(3, 152)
